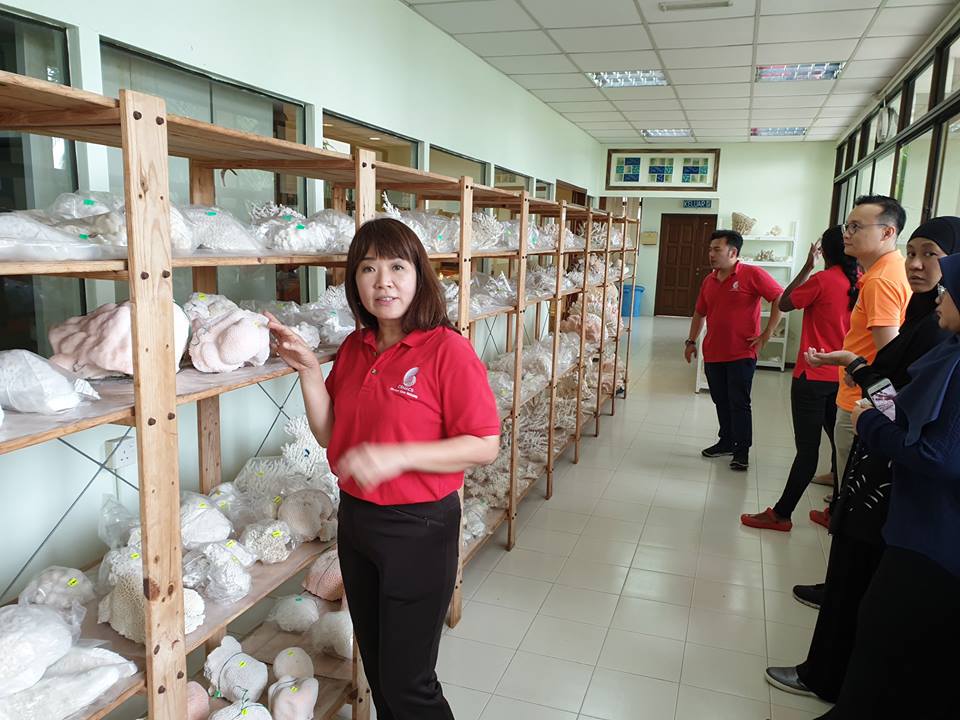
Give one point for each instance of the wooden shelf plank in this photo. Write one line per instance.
(20, 430)
(492, 313)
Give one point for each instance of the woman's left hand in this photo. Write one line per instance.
(855, 414)
(370, 465)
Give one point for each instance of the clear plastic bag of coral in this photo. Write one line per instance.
(217, 231)
(327, 231)
(487, 233)
(24, 236)
(331, 315)
(62, 589)
(116, 522)
(32, 384)
(439, 233)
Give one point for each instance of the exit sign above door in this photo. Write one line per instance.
(698, 204)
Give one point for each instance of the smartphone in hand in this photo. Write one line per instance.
(882, 395)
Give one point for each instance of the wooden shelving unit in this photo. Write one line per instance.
(147, 136)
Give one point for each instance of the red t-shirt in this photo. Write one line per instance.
(825, 301)
(732, 310)
(429, 386)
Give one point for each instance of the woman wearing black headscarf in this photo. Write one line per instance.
(908, 627)
(860, 510)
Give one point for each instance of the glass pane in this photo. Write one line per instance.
(452, 165)
(948, 201)
(922, 87)
(872, 134)
(855, 149)
(883, 174)
(544, 189)
(35, 170)
(842, 203)
(953, 68)
(863, 181)
(510, 180)
(912, 180)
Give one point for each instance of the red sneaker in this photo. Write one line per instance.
(767, 520)
(821, 517)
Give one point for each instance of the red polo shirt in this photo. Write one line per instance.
(429, 386)
(732, 310)
(825, 301)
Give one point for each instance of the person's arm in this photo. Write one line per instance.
(690, 345)
(786, 301)
(316, 400)
(772, 322)
(883, 335)
(370, 464)
(935, 454)
(771, 291)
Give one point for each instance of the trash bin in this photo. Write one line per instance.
(632, 298)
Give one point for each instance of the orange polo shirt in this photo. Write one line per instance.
(884, 294)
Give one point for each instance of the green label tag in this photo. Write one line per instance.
(84, 237)
(88, 201)
(299, 599)
(288, 218)
(211, 212)
(301, 226)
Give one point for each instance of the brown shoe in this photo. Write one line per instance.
(825, 479)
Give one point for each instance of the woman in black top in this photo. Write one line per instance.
(860, 510)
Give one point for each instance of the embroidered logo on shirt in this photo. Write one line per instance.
(406, 386)
(736, 284)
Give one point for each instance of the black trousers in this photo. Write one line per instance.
(730, 384)
(904, 662)
(851, 568)
(813, 404)
(399, 565)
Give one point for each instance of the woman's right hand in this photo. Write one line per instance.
(818, 358)
(291, 349)
(813, 255)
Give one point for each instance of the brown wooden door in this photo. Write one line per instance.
(684, 260)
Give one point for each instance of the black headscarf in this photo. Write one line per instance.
(945, 232)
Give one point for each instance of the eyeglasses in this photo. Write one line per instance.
(854, 228)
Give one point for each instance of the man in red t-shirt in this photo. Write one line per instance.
(729, 301)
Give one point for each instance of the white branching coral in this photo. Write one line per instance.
(270, 541)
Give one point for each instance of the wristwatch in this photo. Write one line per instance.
(856, 365)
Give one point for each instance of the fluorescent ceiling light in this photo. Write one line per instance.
(829, 70)
(666, 132)
(778, 131)
(627, 78)
(694, 5)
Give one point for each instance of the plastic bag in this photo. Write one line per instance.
(216, 230)
(195, 568)
(227, 577)
(25, 236)
(83, 204)
(265, 218)
(286, 311)
(295, 613)
(29, 383)
(270, 541)
(203, 306)
(62, 589)
(201, 522)
(227, 342)
(474, 519)
(32, 638)
(115, 523)
(234, 504)
(487, 232)
(243, 710)
(331, 315)
(234, 674)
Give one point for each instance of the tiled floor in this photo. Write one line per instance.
(635, 593)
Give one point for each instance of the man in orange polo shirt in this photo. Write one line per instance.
(729, 302)
(870, 236)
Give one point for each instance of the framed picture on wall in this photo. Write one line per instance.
(692, 169)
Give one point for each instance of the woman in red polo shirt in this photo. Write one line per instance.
(826, 299)
(404, 411)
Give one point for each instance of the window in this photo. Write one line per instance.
(922, 89)
(454, 165)
(912, 180)
(544, 190)
(863, 181)
(871, 140)
(34, 171)
(202, 98)
(883, 174)
(948, 200)
(953, 68)
(510, 180)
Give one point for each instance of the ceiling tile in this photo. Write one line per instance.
(862, 85)
(533, 64)
(589, 106)
(720, 124)
(656, 116)
(579, 117)
(716, 90)
(889, 47)
(780, 113)
(804, 52)
(575, 13)
(653, 14)
(612, 133)
(652, 92)
(918, 20)
(872, 68)
(546, 81)
(841, 112)
(661, 104)
(475, 16)
(602, 39)
(787, 7)
(800, 87)
(733, 56)
(715, 103)
(597, 62)
(606, 125)
(849, 100)
(789, 101)
(798, 138)
(732, 114)
(829, 123)
(522, 42)
(569, 94)
(704, 33)
(711, 75)
(814, 26)
(911, 3)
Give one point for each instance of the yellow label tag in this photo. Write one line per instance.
(203, 506)
(243, 663)
(72, 582)
(289, 653)
(277, 500)
(202, 296)
(243, 712)
(134, 556)
(222, 505)
(276, 533)
(231, 543)
(259, 473)
(294, 689)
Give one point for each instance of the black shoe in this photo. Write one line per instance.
(810, 595)
(718, 450)
(786, 679)
(741, 461)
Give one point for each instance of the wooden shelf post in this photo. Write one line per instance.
(557, 304)
(581, 373)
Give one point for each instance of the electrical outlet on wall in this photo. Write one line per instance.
(125, 454)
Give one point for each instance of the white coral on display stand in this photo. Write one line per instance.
(295, 613)
(270, 541)
(32, 639)
(293, 661)
(215, 229)
(230, 341)
(201, 522)
(123, 607)
(234, 674)
(63, 589)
